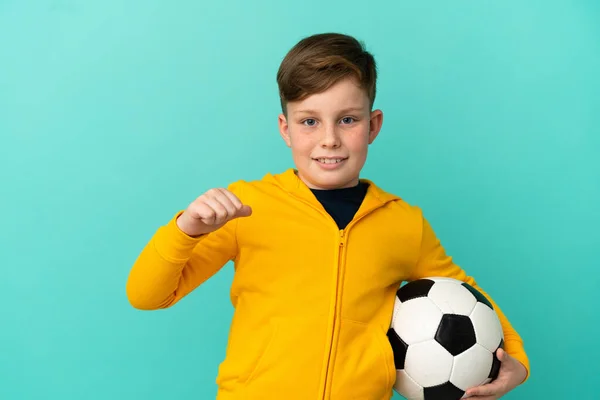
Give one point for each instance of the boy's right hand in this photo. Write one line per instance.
(211, 211)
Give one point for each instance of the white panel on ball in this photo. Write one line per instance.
(397, 305)
(452, 298)
(417, 320)
(428, 363)
(410, 389)
(443, 279)
(488, 329)
(471, 368)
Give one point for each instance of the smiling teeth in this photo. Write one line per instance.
(330, 161)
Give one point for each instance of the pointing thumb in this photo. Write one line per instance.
(245, 211)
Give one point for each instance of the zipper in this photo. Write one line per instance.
(342, 244)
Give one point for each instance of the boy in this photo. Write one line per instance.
(318, 252)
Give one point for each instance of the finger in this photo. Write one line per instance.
(242, 210)
(204, 212)
(232, 197)
(490, 389)
(221, 212)
(226, 200)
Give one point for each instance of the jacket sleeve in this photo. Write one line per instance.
(172, 264)
(433, 261)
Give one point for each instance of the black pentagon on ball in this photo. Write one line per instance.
(446, 391)
(496, 363)
(399, 348)
(456, 333)
(480, 298)
(415, 289)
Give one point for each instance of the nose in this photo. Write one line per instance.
(330, 137)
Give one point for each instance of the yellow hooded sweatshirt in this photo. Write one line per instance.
(313, 303)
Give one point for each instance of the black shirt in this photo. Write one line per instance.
(342, 204)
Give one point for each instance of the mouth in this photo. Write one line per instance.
(327, 160)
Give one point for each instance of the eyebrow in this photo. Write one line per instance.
(344, 111)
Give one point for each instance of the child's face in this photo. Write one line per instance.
(329, 134)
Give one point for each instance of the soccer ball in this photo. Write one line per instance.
(444, 335)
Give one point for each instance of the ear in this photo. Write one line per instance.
(284, 130)
(375, 124)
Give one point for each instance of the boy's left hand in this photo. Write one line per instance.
(512, 373)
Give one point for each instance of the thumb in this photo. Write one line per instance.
(245, 211)
(501, 355)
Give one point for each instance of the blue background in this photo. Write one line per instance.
(116, 114)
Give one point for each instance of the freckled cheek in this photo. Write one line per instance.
(303, 149)
(306, 145)
(359, 145)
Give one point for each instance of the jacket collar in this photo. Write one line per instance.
(291, 183)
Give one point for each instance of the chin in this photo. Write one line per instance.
(317, 178)
(334, 181)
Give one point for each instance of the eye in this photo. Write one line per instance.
(309, 122)
(347, 120)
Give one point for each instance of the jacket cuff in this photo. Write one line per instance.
(172, 243)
